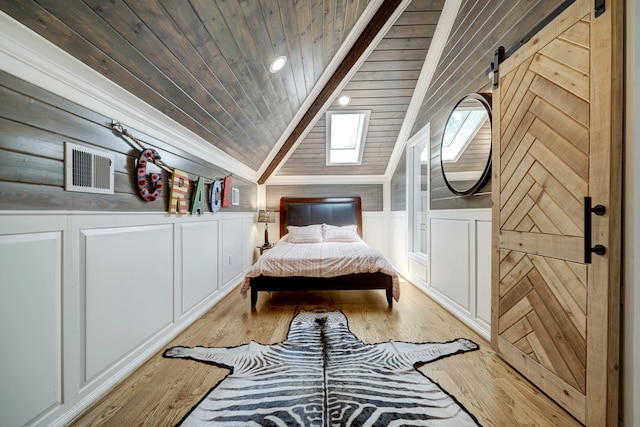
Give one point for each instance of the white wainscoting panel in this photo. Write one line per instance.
(250, 231)
(233, 247)
(375, 229)
(30, 326)
(450, 259)
(399, 241)
(128, 286)
(460, 265)
(199, 262)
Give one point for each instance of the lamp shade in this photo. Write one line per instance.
(266, 216)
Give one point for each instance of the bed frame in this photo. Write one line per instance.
(317, 210)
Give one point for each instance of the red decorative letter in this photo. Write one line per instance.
(226, 192)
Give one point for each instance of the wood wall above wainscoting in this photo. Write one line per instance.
(371, 194)
(399, 185)
(480, 28)
(35, 125)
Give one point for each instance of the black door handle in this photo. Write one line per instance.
(588, 249)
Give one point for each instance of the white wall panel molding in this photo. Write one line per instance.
(398, 239)
(198, 267)
(375, 226)
(450, 259)
(109, 291)
(459, 265)
(251, 234)
(232, 258)
(30, 326)
(128, 291)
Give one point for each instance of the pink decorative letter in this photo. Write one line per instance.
(148, 155)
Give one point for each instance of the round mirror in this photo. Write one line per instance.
(465, 152)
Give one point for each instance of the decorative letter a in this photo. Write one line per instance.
(197, 200)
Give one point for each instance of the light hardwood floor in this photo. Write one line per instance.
(162, 391)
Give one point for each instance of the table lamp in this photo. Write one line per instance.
(266, 216)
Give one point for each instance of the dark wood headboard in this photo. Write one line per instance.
(318, 210)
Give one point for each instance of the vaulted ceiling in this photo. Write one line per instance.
(205, 64)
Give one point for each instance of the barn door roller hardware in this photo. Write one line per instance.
(505, 54)
(498, 56)
(588, 249)
(599, 7)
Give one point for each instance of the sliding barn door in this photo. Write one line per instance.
(557, 136)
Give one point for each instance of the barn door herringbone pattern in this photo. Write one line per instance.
(545, 138)
(544, 175)
(557, 135)
(543, 312)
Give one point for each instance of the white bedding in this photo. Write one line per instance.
(326, 259)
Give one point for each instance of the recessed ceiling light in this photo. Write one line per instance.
(344, 100)
(277, 64)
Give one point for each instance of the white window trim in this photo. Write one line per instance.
(413, 192)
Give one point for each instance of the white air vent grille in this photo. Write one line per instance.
(88, 170)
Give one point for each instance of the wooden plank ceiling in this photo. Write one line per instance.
(205, 63)
(384, 85)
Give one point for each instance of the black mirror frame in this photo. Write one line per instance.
(485, 100)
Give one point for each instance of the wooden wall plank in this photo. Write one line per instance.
(36, 125)
(399, 185)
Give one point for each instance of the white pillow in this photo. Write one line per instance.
(305, 234)
(348, 233)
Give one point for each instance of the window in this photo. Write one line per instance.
(418, 163)
(346, 132)
(462, 126)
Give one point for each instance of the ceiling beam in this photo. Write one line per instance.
(385, 11)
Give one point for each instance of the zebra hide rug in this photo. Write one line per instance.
(323, 375)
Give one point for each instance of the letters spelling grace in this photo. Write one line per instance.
(219, 193)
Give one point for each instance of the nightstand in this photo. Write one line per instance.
(264, 248)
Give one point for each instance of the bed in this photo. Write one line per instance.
(293, 265)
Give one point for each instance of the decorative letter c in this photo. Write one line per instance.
(215, 195)
(148, 155)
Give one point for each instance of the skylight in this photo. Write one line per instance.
(462, 127)
(346, 132)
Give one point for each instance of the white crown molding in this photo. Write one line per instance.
(28, 56)
(440, 37)
(326, 179)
